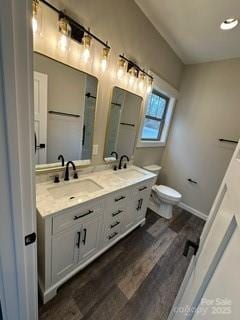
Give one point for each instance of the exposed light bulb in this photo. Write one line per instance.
(149, 86)
(36, 18)
(132, 76)
(63, 43)
(34, 25)
(121, 68)
(64, 35)
(87, 39)
(86, 54)
(104, 64)
(141, 81)
(229, 24)
(120, 73)
(105, 59)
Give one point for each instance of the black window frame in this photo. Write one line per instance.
(161, 120)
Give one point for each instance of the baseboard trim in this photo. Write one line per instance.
(193, 211)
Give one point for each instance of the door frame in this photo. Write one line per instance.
(18, 263)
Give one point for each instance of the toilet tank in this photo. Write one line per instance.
(154, 168)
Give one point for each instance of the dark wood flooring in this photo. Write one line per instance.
(137, 279)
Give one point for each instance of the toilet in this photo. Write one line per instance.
(162, 198)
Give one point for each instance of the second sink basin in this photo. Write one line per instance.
(130, 174)
(71, 189)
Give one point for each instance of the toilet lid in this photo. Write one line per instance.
(168, 192)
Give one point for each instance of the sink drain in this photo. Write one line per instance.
(71, 198)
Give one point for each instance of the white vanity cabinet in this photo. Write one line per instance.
(68, 240)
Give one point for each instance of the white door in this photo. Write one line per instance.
(90, 238)
(40, 116)
(211, 286)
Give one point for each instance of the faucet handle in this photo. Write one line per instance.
(75, 175)
(56, 179)
(125, 165)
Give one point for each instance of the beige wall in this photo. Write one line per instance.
(128, 31)
(208, 109)
(147, 156)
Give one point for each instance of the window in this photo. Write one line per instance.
(155, 117)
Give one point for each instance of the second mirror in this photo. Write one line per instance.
(123, 123)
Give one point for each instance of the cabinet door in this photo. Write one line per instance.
(141, 199)
(129, 216)
(65, 250)
(90, 238)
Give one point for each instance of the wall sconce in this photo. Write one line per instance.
(36, 18)
(149, 85)
(65, 34)
(87, 39)
(105, 55)
(121, 68)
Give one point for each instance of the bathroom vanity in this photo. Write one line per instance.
(80, 219)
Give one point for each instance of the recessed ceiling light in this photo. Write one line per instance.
(229, 24)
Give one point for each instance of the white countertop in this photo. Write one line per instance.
(107, 179)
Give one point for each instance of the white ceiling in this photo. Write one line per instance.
(191, 27)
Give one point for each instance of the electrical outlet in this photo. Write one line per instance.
(95, 149)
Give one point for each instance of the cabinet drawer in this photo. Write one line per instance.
(114, 225)
(114, 214)
(117, 199)
(74, 216)
(143, 188)
(112, 234)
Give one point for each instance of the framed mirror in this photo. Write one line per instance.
(123, 123)
(64, 112)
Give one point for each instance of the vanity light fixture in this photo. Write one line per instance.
(134, 72)
(87, 39)
(64, 34)
(229, 24)
(36, 17)
(121, 68)
(105, 55)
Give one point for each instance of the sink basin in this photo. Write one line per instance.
(72, 189)
(130, 174)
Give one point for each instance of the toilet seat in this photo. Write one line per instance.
(167, 193)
